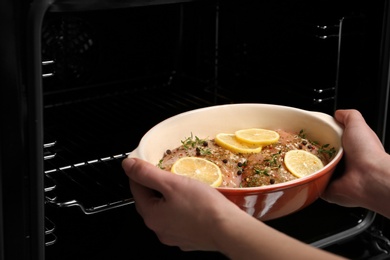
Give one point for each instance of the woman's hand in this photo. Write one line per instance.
(366, 180)
(181, 211)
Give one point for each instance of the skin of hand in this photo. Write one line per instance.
(193, 216)
(366, 178)
(174, 206)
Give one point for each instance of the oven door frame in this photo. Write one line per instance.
(22, 233)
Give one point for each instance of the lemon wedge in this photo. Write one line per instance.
(199, 169)
(230, 142)
(257, 136)
(302, 163)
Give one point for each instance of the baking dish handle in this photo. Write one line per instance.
(134, 154)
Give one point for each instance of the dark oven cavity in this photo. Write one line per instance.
(111, 74)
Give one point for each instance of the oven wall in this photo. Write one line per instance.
(317, 55)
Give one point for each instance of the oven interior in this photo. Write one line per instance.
(110, 75)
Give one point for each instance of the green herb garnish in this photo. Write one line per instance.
(330, 152)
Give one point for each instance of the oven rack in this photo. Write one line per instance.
(82, 156)
(88, 129)
(73, 177)
(91, 184)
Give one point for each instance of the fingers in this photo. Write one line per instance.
(355, 125)
(349, 116)
(145, 173)
(144, 184)
(142, 196)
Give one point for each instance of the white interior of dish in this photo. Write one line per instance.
(207, 122)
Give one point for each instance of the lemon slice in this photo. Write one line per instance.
(302, 163)
(199, 169)
(230, 142)
(257, 136)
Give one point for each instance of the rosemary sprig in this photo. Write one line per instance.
(198, 143)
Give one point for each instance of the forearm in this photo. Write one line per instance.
(256, 240)
(377, 187)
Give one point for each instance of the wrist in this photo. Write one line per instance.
(230, 233)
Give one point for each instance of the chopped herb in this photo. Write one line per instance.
(273, 162)
(191, 142)
(323, 149)
(330, 152)
(205, 151)
(302, 134)
(160, 164)
(314, 142)
(259, 171)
